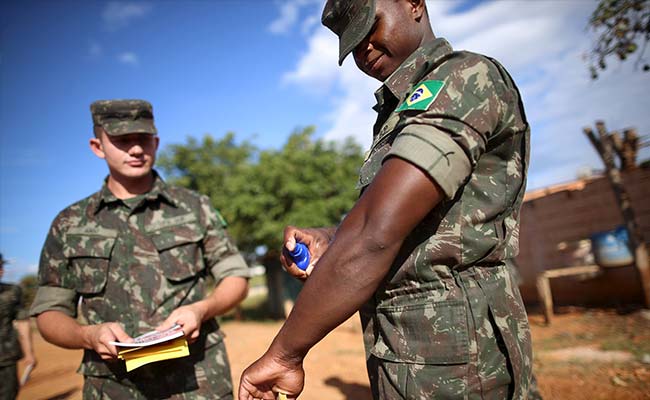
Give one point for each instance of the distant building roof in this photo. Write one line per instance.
(560, 187)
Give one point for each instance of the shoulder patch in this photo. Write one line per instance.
(422, 96)
(221, 219)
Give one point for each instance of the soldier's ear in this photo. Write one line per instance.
(97, 148)
(418, 8)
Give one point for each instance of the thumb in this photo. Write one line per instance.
(169, 322)
(290, 244)
(119, 333)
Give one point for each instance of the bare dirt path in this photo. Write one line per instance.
(584, 355)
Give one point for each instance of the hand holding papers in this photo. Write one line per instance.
(153, 346)
(26, 373)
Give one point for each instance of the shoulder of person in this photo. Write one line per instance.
(11, 290)
(185, 195)
(465, 66)
(72, 214)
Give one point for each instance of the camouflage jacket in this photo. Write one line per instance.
(11, 309)
(134, 262)
(458, 116)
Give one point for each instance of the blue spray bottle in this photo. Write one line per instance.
(300, 256)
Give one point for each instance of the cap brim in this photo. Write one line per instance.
(357, 29)
(128, 127)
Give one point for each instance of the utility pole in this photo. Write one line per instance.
(606, 144)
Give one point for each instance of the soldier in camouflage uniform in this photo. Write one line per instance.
(134, 257)
(421, 252)
(13, 346)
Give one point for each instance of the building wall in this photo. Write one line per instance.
(552, 226)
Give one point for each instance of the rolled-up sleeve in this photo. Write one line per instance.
(220, 251)
(56, 290)
(434, 152)
(50, 298)
(448, 138)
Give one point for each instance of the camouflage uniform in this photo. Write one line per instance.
(134, 261)
(11, 309)
(448, 320)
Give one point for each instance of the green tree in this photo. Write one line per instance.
(307, 183)
(29, 286)
(624, 28)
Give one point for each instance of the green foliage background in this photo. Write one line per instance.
(306, 183)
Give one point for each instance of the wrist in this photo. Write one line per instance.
(86, 333)
(202, 309)
(285, 355)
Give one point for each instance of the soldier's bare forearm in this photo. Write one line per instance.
(225, 296)
(61, 330)
(25, 337)
(360, 256)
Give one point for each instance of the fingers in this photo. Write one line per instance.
(118, 333)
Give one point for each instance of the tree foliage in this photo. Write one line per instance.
(624, 29)
(305, 183)
(29, 286)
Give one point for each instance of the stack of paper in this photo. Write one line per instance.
(153, 346)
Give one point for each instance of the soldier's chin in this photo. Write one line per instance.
(138, 172)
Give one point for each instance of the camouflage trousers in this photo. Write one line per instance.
(467, 338)
(8, 382)
(202, 375)
(109, 389)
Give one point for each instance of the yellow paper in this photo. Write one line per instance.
(139, 356)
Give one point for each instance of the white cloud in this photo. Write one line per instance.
(128, 58)
(315, 71)
(118, 14)
(289, 13)
(540, 42)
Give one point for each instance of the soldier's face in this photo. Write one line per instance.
(394, 36)
(130, 156)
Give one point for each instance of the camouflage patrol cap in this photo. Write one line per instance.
(121, 117)
(351, 20)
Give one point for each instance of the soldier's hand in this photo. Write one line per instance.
(268, 376)
(317, 241)
(189, 317)
(99, 337)
(29, 359)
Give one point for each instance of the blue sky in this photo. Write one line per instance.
(260, 69)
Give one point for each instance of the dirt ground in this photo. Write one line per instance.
(585, 354)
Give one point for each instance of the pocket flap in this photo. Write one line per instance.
(429, 333)
(180, 250)
(174, 236)
(89, 242)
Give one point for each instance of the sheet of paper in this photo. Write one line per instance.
(138, 357)
(26, 373)
(153, 337)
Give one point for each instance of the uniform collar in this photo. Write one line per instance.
(413, 69)
(158, 190)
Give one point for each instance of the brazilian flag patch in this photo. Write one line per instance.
(422, 96)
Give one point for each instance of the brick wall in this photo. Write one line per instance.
(555, 219)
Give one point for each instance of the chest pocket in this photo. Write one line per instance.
(178, 241)
(88, 250)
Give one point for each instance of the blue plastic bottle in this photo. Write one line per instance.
(300, 256)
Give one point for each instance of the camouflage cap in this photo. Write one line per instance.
(122, 117)
(351, 20)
